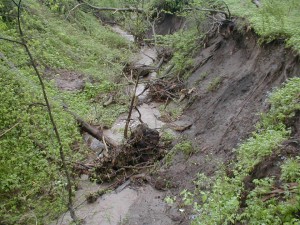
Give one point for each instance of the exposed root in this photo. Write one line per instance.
(139, 152)
(161, 90)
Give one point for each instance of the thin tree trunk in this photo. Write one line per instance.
(61, 150)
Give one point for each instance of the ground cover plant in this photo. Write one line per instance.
(272, 20)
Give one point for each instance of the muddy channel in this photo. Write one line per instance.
(127, 204)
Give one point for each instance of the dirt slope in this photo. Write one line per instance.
(224, 114)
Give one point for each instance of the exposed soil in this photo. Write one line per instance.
(66, 80)
(218, 119)
(225, 117)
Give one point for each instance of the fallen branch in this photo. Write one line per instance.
(92, 197)
(105, 145)
(11, 40)
(227, 15)
(129, 9)
(109, 101)
(168, 70)
(90, 129)
(292, 188)
(256, 2)
(80, 4)
(143, 71)
(9, 129)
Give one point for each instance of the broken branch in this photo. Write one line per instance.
(129, 9)
(131, 108)
(9, 129)
(227, 15)
(90, 129)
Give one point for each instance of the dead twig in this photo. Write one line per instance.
(140, 115)
(92, 197)
(9, 129)
(280, 191)
(129, 9)
(11, 40)
(226, 14)
(130, 108)
(75, 7)
(105, 146)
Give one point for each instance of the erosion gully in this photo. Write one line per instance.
(127, 204)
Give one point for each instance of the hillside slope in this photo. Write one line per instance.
(81, 61)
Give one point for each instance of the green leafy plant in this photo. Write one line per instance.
(183, 44)
(167, 136)
(290, 170)
(274, 19)
(185, 146)
(214, 84)
(170, 200)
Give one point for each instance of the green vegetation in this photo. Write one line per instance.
(170, 112)
(290, 170)
(167, 136)
(170, 200)
(274, 19)
(183, 44)
(202, 76)
(214, 84)
(30, 173)
(185, 146)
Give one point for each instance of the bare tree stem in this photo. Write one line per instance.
(61, 150)
(131, 108)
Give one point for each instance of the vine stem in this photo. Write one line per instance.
(61, 150)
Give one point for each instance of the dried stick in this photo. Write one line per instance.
(74, 9)
(131, 107)
(130, 9)
(105, 145)
(9, 129)
(140, 115)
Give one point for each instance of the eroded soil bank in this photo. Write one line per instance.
(231, 80)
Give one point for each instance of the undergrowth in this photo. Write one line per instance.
(273, 20)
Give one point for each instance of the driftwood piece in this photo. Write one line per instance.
(91, 130)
